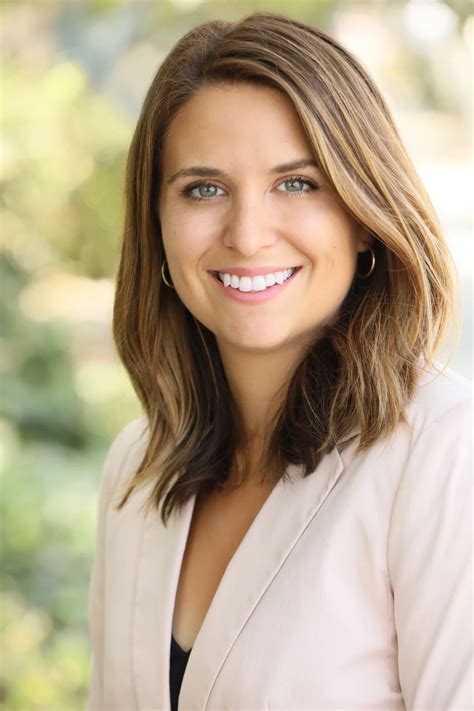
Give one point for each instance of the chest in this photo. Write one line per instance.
(220, 522)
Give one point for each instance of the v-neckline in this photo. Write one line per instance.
(177, 648)
(201, 533)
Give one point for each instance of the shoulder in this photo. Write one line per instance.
(435, 476)
(124, 455)
(442, 395)
(131, 436)
(437, 453)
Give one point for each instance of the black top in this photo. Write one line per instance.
(178, 661)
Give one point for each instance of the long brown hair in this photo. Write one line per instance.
(361, 372)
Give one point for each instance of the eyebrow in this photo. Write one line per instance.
(204, 171)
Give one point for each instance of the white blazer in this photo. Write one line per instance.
(352, 589)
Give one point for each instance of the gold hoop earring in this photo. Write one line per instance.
(163, 274)
(372, 267)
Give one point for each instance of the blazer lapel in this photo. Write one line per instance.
(161, 553)
(286, 513)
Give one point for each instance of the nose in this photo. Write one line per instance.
(249, 227)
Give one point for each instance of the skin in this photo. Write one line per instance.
(251, 218)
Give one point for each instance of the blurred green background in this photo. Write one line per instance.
(74, 75)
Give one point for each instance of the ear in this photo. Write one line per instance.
(365, 239)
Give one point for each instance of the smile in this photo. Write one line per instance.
(256, 288)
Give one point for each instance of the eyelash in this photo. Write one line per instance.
(186, 192)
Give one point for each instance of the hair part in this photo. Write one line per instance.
(361, 371)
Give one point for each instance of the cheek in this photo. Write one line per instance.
(186, 237)
(340, 254)
(327, 236)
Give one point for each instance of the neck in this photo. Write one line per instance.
(258, 382)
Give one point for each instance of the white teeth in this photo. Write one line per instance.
(256, 283)
(245, 283)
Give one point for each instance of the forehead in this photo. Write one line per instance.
(228, 121)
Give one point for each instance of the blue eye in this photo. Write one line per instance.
(299, 180)
(188, 192)
(211, 188)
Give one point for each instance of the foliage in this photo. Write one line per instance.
(64, 150)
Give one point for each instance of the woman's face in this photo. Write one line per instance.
(239, 208)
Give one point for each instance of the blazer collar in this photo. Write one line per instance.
(286, 512)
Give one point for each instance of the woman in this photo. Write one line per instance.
(293, 506)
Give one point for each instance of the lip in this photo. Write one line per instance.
(251, 271)
(253, 296)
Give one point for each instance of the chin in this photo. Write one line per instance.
(259, 344)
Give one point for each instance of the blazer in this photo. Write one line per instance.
(352, 588)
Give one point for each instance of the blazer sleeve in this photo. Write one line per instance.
(112, 473)
(430, 559)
